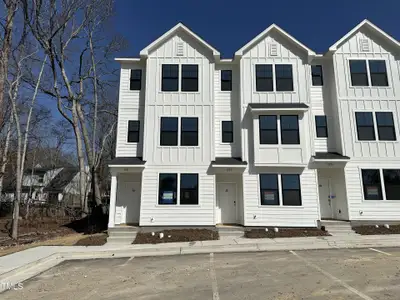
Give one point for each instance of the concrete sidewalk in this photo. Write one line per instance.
(23, 265)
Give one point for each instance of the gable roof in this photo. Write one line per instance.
(262, 35)
(61, 180)
(372, 27)
(178, 27)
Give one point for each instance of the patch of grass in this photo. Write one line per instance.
(176, 235)
(283, 232)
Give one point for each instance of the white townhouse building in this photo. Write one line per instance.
(276, 136)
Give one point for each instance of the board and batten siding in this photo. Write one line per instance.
(153, 214)
(130, 107)
(360, 209)
(270, 215)
(227, 108)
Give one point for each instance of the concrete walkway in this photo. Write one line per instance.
(23, 265)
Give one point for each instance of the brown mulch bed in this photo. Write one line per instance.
(370, 230)
(176, 235)
(94, 240)
(284, 232)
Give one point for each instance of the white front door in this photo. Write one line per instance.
(128, 202)
(325, 200)
(227, 202)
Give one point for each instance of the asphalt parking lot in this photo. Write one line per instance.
(317, 274)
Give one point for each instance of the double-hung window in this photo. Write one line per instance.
(392, 184)
(268, 130)
(170, 78)
(265, 75)
(383, 122)
(368, 72)
(321, 126)
(135, 80)
(227, 131)
(274, 187)
(284, 78)
(290, 130)
(264, 78)
(316, 74)
(133, 131)
(189, 132)
(226, 80)
(186, 190)
(190, 78)
(169, 131)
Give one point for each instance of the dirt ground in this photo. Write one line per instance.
(337, 274)
(284, 232)
(368, 230)
(176, 235)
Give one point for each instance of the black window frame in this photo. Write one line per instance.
(264, 138)
(379, 77)
(358, 78)
(285, 132)
(317, 75)
(166, 132)
(387, 129)
(135, 83)
(392, 191)
(274, 188)
(194, 197)
(133, 131)
(263, 77)
(227, 133)
(190, 78)
(321, 128)
(226, 80)
(289, 190)
(362, 134)
(173, 189)
(377, 185)
(167, 75)
(284, 82)
(188, 134)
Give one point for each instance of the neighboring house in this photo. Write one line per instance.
(276, 136)
(51, 185)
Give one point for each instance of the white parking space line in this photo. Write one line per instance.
(380, 251)
(329, 275)
(213, 276)
(127, 261)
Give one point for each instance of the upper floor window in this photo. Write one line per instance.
(290, 129)
(136, 80)
(268, 130)
(169, 131)
(321, 126)
(316, 74)
(265, 75)
(371, 74)
(264, 78)
(383, 122)
(170, 78)
(133, 131)
(227, 131)
(189, 132)
(226, 80)
(284, 78)
(190, 78)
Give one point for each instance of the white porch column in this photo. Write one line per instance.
(113, 200)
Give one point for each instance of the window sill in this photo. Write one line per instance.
(178, 206)
(381, 201)
(268, 146)
(370, 87)
(274, 92)
(178, 147)
(281, 206)
(376, 141)
(178, 92)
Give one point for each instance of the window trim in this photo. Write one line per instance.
(350, 85)
(383, 188)
(179, 131)
(290, 130)
(199, 78)
(316, 127)
(393, 127)
(254, 79)
(231, 81)
(277, 130)
(280, 192)
(182, 78)
(127, 135)
(322, 75)
(178, 204)
(160, 132)
(139, 80)
(375, 124)
(222, 132)
(162, 77)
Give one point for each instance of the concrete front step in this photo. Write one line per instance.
(120, 240)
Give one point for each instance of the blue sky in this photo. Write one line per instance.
(228, 25)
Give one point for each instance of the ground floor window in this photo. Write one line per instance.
(381, 184)
(274, 187)
(171, 189)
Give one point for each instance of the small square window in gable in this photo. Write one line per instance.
(273, 49)
(179, 49)
(364, 45)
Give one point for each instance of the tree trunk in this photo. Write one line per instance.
(4, 158)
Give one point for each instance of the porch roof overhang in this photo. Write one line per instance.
(133, 164)
(228, 164)
(329, 159)
(257, 108)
